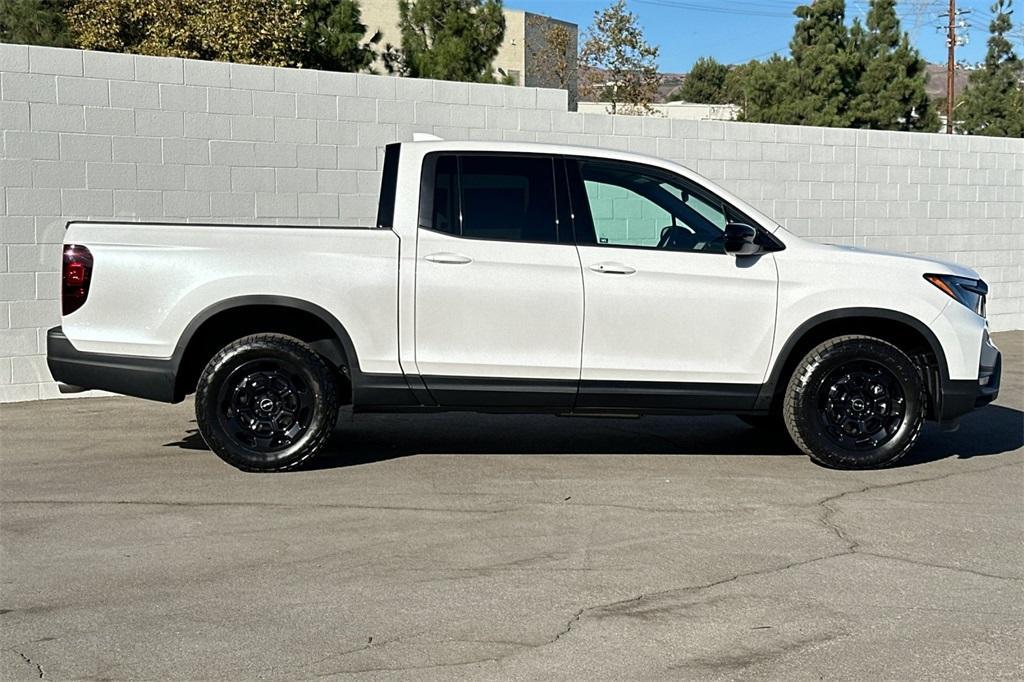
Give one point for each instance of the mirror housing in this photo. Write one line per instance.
(739, 240)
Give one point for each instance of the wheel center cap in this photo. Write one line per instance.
(858, 404)
(265, 405)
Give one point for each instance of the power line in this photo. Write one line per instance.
(722, 8)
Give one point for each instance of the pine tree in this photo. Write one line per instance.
(993, 103)
(618, 66)
(334, 36)
(705, 83)
(34, 22)
(453, 40)
(890, 88)
(825, 73)
(764, 91)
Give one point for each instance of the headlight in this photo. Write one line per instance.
(969, 292)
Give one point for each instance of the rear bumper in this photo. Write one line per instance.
(149, 378)
(961, 396)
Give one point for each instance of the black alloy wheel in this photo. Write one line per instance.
(266, 405)
(267, 402)
(861, 405)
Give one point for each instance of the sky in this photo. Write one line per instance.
(736, 31)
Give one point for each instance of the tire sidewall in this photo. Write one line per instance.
(804, 397)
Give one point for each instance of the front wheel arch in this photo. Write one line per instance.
(905, 332)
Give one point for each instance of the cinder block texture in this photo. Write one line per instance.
(98, 136)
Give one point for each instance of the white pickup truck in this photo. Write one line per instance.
(506, 277)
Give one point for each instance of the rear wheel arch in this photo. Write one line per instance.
(231, 319)
(905, 332)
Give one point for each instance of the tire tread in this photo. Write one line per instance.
(327, 385)
(798, 384)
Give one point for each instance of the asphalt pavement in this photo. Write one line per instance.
(507, 547)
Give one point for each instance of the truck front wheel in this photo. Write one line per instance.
(855, 402)
(266, 402)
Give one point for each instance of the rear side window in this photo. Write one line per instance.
(500, 198)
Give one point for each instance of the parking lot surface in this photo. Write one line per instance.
(507, 547)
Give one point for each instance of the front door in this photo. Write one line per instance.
(672, 321)
(499, 296)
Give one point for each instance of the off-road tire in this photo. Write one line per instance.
(289, 373)
(808, 422)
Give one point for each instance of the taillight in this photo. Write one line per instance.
(76, 274)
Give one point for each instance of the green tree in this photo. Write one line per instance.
(335, 37)
(618, 65)
(706, 83)
(454, 40)
(825, 73)
(890, 88)
(764, 90)
(993, 103)
(34, 22)
(246, 31)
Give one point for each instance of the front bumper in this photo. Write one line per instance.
(149, 378)
(961, 396)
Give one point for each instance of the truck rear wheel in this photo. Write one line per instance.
(266, 402)
(855, 402)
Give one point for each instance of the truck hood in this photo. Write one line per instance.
(925, 263)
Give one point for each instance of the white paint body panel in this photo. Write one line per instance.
(150, 281)
(817, 278)
(681, 317)
(515, 311)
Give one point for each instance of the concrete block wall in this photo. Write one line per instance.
(90, 135)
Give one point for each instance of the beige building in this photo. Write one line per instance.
(527, 56)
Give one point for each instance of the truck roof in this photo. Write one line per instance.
(532, 148)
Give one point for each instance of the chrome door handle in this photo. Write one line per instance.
(449, 258)
(612, 268)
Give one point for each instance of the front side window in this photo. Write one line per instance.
(502, 198)
(632, 207)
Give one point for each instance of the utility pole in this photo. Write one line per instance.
(952, 42)
(950, 65)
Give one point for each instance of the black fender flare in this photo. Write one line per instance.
(270, 300)
(770, 386)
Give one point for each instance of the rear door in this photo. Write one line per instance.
(672, 321)
(499, 290)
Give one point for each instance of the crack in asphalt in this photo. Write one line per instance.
(827, 521)
(955, 569)
(271, 505)
(441, 510)
(39, 668)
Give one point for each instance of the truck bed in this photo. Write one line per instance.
(150, 280)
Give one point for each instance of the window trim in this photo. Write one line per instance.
(573, 186)
(428, 173)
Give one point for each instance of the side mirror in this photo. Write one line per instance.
(739, 240)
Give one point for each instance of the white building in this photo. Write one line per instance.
(689, 111)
